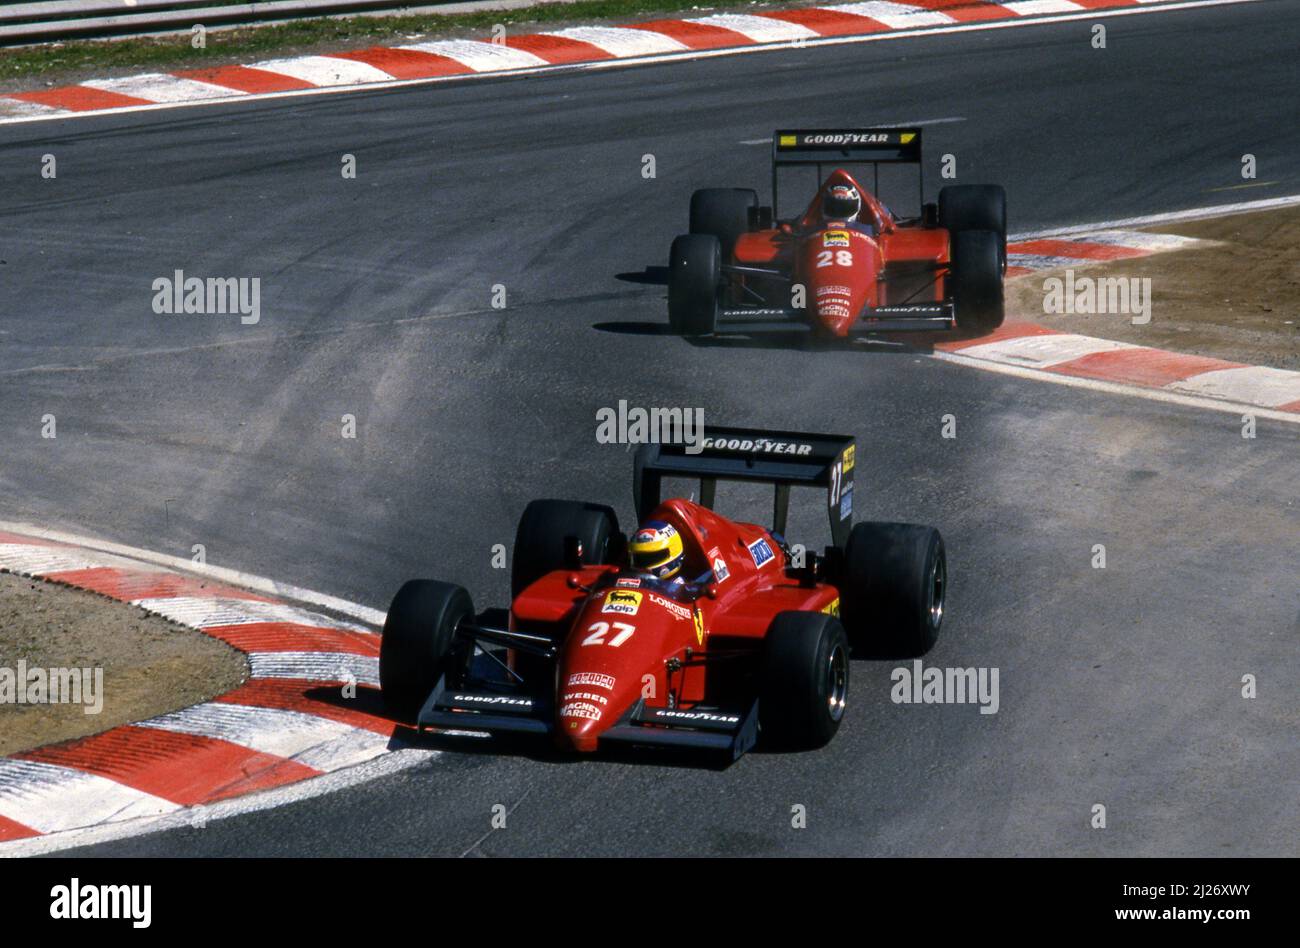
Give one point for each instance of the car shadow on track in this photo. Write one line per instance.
(538, 750)
(747, 334)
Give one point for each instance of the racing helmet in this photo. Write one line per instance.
(842, 203)
(656, 548)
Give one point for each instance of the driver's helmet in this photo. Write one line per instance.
(656, 548)
(842, 203)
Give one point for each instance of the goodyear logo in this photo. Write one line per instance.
(622, 601)
(835, 238)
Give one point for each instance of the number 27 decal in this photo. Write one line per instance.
(622, 631)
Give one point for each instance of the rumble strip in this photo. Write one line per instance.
(289, 722)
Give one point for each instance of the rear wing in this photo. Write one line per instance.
(781, 458)
(845, 146)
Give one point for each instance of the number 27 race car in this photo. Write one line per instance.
(846, 262)
(697, 632)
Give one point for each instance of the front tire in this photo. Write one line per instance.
(419, 641)
(722, 213)
(539, 539)
(894, 588)
(804, 681)
(694, 276)
(976, 207)
(975, 281)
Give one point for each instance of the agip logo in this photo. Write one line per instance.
(622, 602)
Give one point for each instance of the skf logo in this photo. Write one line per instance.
(622, 601)
(835, 238)
(761, 551)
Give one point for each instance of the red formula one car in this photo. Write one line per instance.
(847, 261)
(740, 635)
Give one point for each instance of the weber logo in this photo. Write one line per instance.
(493, 700)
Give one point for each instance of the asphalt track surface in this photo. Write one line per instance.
(1118, 686)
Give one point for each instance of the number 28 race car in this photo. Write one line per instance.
(696, 632)
(847, 261)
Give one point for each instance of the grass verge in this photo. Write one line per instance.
(150, 665)
(67, 62)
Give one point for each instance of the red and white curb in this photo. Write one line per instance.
(1100, 246)
(1030, 349)
(289, 722)
(574, 47)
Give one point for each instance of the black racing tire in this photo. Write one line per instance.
(722, 213)
(804, 680)
(419, 641)
(539, 539)
(694, 279)
(975, 281)
(975, 207)
(894, 588)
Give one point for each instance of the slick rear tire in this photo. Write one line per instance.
(419, 641)
(694, 277)
(722, 213)
(804, 681)
(976, 207)
(539, 540)
(975, 281)
(894, 588)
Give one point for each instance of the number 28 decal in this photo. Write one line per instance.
(598, 630)
(841, 258)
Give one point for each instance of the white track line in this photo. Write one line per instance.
(209, 612)
(622, 41)
(760, 29)
(315, 666)
(53, 799)
(391, 763)
(1042, 352)
(373, 617)
(669, 57)
(1171, 217)
(1163, 395)
(898, 16)
(161, 87)
(483, 57)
